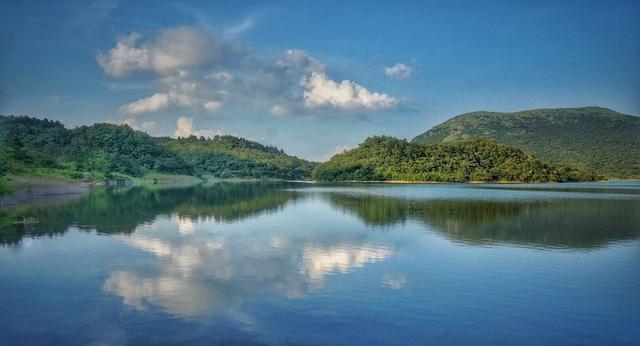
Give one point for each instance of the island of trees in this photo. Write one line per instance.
(386, 158)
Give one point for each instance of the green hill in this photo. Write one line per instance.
(228, 156)
(593, 138)
(387, 158)
(34, 146)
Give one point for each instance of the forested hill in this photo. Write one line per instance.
(229, 156)
(387, 159)
(29, 145)
(594, 138)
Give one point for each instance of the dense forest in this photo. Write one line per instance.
(101, 151)
(593, 138)
(386, 159)
(228, 156)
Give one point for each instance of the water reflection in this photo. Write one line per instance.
(588, 219)
(281, 262)
(214, 270)
(567, 223)
(121, 210)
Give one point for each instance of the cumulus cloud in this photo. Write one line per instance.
(320, 91)
(172, 50)
(153, 103)
(160, 101)
(399, 71)
(183, 48)
(213, 106)
(192, 68)
(186, 129)
(125, 57)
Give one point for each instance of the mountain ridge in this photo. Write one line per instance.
(594, 138)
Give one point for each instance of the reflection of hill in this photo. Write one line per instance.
(575, 223)
(121, 210)
(233, 201)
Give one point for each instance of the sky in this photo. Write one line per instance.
(312, 77)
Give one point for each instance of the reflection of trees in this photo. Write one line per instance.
(576, 223)
(121, 210)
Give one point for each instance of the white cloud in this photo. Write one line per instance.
(159, 101)
(296, 59)
(213, 106)
(125, 57)
(145, 126)
(241, 27)
(399, 71)
(278, 110)
(185, 129)
(320, 91)
(193, 69)
(223, 76)
(173, 49)
(182, 47)
(153, 103)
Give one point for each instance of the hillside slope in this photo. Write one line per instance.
(387, 158)
(594, 138)
(228, 156)
(34, 146)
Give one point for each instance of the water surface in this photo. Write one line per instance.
(296, 263)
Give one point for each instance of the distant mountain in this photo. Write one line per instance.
(593, 138)
(34, 146)
(388, 159)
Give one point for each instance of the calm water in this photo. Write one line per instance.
(284, 263)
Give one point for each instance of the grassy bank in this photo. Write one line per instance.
(46, 178)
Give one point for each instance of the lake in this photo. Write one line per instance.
(300, 263)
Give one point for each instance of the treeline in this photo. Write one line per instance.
(102, 151)
(229, 156)
(387, 159)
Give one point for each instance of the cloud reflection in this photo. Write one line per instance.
(202, 272)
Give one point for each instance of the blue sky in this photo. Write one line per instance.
(312, 77)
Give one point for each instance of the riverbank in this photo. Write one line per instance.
(22, 189)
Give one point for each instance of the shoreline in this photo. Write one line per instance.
(391, 182)
(26, 189)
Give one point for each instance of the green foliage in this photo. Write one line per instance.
(233, 157)
(103, 151)
(592, 138)
(387, 158)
